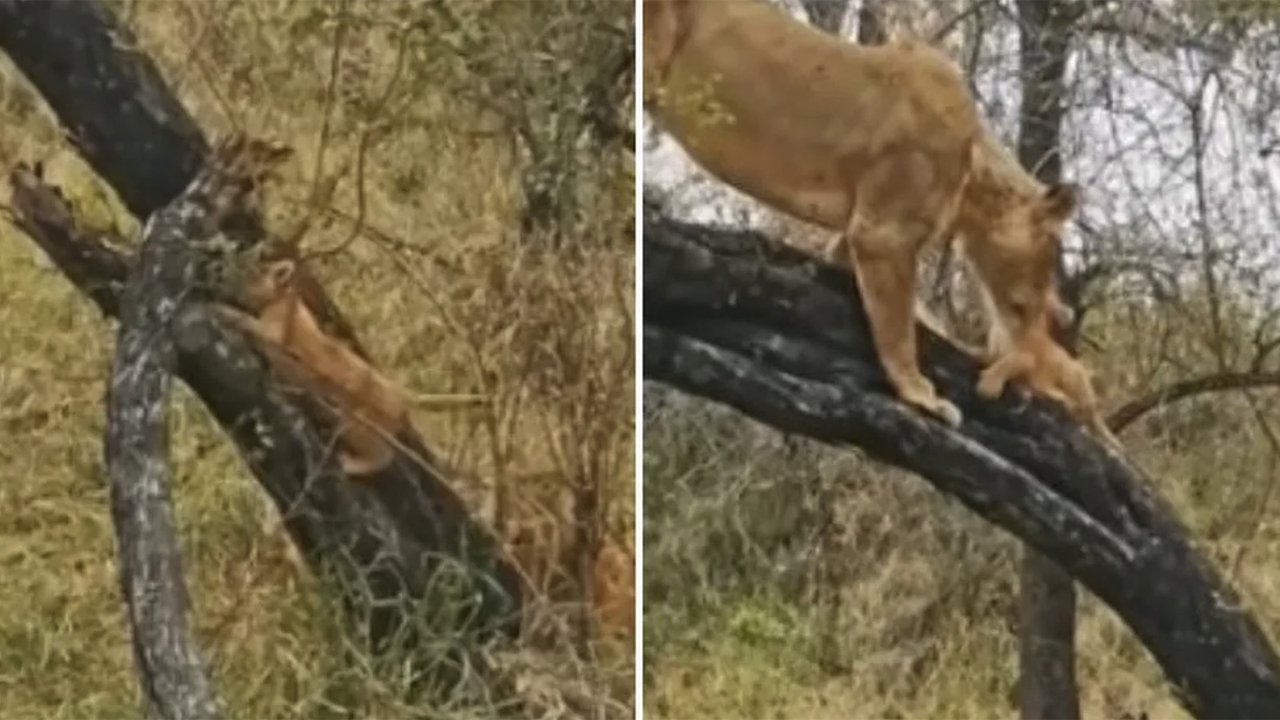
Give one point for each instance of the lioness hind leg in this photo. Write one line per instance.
(883, 259)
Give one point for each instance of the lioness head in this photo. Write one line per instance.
(1022, 263)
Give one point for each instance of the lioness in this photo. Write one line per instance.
(370, 408)
(881, 143)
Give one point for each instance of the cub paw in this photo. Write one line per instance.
(991, 384)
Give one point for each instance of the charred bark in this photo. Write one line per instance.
(736, 319)
(384, 538)
(173, 675)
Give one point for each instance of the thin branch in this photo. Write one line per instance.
(1127, 414)
(945, 29)
(330, 98)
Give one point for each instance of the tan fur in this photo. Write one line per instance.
(881, 143)
(614, 590)
(539, 540)
(372, 410)
(1052, 373)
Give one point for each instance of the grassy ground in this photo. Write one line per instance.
(443, 292)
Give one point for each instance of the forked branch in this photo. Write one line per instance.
(386, 540)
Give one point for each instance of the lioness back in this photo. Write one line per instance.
(782, 111)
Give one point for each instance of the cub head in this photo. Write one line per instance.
(269, 284)
(1021, 269)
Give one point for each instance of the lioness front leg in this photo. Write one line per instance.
(883, 261)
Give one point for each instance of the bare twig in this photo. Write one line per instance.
(362, 151)
(330, 98)
(1127, 414)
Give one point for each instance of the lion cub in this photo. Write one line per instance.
(372, 410)
(1051, 372)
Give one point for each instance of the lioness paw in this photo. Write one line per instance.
(943, 410)
(947, 412)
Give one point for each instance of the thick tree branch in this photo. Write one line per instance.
(871, 30)
(110, 97)
(734, 318)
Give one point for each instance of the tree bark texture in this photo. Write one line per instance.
(174, 678)
(1047, 596)
(110, 97)
(781, 337)
(387, 538)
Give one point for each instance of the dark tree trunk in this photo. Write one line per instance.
(734, 318)
(113, 102)
(1047, 603)
(387, 538)
(871, 30)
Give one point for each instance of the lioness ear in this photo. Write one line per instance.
(1060, 200)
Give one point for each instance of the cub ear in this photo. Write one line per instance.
(281, 272)
(1060, 200)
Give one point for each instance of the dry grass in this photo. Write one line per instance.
(444, 293)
